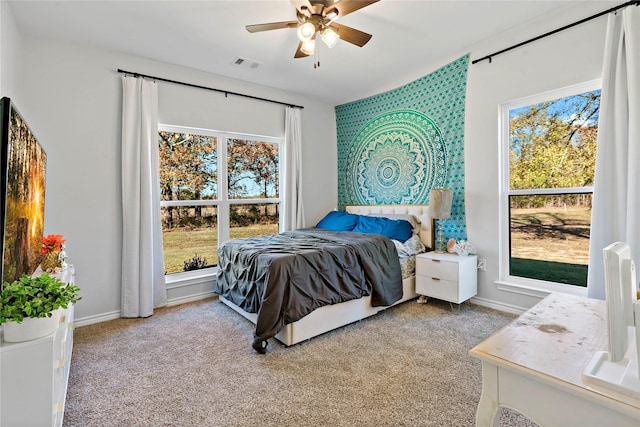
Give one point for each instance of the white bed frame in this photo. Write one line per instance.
(330, 317)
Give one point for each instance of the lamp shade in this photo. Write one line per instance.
(306, 31)
(330, 37)
(308, 46)
(440, 203)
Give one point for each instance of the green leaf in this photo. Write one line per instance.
(35, 297)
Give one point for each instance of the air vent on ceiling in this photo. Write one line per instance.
(246, 63)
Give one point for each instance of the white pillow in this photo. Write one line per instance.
(411, 247)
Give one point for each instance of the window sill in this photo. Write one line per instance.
(187, 278)
(537, 288)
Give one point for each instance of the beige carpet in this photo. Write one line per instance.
(193, 365)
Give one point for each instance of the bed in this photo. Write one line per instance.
(333, 313)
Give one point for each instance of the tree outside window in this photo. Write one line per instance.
(202, 206)
(551, 164)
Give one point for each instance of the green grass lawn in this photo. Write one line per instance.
(183, 244)
(551, 244)
(559, 272)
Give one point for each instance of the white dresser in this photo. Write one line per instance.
(448, 277)
(34, 374)
(535, 366)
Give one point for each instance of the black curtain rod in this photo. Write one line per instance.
(597, 15)
(226, 92)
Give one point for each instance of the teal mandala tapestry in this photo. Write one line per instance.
(394, 147)
(395, 159)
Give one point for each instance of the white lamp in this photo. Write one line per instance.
(440, 200)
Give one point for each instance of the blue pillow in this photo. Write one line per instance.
(397, 229)
(338, 221)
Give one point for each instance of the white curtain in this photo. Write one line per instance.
(292, 201)
(616, 194)
(143, 285)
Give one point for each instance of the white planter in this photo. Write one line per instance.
(31, 328)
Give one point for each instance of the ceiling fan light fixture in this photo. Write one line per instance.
(330, 37)
(315, 19)
(306, 31)
(308, 46)
(332, 14)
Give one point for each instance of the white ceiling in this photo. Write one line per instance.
(410, 37)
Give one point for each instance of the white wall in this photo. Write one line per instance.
(570, 57)
(71, 98)
(9, 53)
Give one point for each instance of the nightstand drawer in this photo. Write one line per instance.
(435, 268)
(437, 288)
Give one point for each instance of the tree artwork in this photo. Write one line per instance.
(24, 204)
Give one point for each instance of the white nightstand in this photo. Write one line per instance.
(448, 277)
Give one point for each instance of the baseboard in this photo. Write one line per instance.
(89, 320)
(507, 308)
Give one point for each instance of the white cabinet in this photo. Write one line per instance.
(448, 277)
(34, 374)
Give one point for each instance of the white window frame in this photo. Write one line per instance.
(222, 202)
(507, 282)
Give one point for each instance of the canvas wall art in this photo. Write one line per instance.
(23, 189)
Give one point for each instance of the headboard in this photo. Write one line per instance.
(419, 211)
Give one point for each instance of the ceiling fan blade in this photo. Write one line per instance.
(351, 35)
(271, 26)
(299, 52)
(303, 6)
(345, 7)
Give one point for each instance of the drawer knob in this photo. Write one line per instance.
(435, 278)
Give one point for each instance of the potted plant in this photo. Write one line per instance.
(30, 307)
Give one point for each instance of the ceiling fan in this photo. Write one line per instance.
(318, 17)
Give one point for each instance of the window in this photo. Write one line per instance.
(549, 149)
(214, 186)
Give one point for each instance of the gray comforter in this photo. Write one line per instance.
(283, 277)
